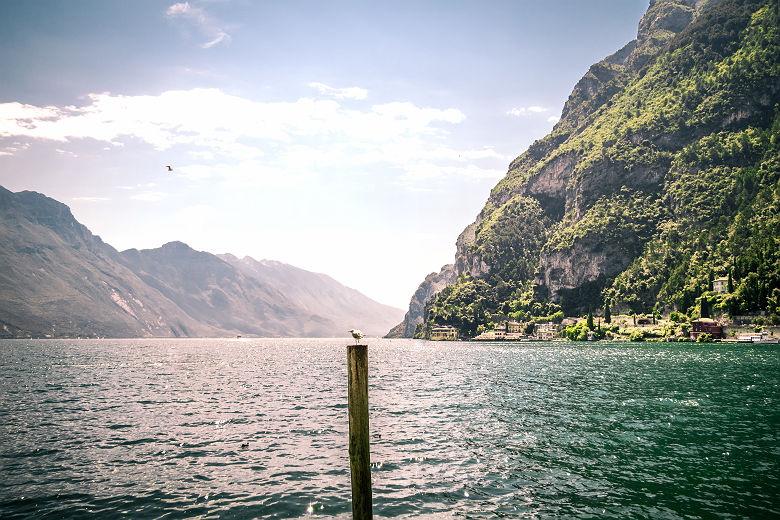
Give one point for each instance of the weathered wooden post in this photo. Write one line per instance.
(359, 455)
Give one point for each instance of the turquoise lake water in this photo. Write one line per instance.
(258, 429)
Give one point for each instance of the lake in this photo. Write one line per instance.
(214, 428)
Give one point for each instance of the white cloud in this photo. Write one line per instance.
(91, 199)
(135, 187)
(149, 196)
(340, 93)
(526, 111)
(215, 121)
(205, 24)
(256, 173)
(221, 37)
(417, 117)
(13, 148)
(484, 153)
(426, 171)
(475, 172)
(182, 8)
(553, 119)
(242, 140)
(194, 172)
(20, 112)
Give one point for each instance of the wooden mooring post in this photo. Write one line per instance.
(359, 453)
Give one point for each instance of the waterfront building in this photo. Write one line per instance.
(514, 327)
(706, 325)
(444, 333)
(546, 331)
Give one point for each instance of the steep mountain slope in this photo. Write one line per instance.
(662, 172)
(58, 279)
(214, 293)
(429, 288)
(314, 292)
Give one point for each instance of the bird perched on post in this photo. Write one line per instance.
(357, 335)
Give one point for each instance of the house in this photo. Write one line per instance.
(546, 331)
(488, 335)
(721, 285)
(499, 331)
(708, 326)
(509, 330)
(514, 327)
(444, 333)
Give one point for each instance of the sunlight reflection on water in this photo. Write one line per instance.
(258, 428)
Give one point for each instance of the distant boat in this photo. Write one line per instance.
(758, 337)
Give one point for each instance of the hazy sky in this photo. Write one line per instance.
(355, 139)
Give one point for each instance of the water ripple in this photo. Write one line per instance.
(258, 428)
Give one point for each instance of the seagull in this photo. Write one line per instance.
(169, 168)
(357, 335)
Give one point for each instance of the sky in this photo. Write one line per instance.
(351, 138)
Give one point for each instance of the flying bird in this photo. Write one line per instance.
(169, 168)
(357, 335)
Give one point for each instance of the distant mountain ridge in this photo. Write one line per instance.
(314, 293)
(57, 279)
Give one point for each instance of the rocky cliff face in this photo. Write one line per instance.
(58, 279)
(568, 173)
(429, 288)
(618, 177)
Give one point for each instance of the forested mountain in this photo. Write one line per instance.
(662, 174)
(59, 280)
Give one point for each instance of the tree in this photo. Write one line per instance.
(590, 324)
(607, 313)
(704, 308)
(731, 283)
(731, 302)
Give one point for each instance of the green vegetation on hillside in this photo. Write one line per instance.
(470, 303)
(674, 163)
(627, 218)
(510, 239)
(720, 219)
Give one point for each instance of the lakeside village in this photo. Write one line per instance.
(651, 327)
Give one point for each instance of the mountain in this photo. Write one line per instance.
(314, 292)
(215, 294)
(57, 279)
(429, 288)
(661, 174)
